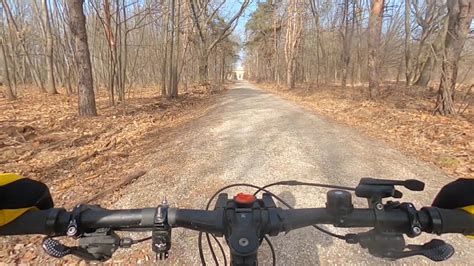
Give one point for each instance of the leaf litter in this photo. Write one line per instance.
(86, 159)
(402, 117)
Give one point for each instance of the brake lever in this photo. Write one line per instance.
(56, 249)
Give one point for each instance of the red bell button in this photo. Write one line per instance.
(243, 198)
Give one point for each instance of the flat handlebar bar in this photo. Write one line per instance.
(246, 221)
(55, 221)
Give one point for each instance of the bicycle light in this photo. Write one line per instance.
(339, 202)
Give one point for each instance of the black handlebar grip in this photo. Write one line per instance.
(38, 222)
(42, 222)
(455, 221)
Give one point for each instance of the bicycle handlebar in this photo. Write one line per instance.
(245, 221)
(55, 221)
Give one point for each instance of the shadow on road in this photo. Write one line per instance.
(299, 246)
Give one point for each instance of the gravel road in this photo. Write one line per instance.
(254, 136)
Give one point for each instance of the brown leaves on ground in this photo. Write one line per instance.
(41, 137)
(403, 117)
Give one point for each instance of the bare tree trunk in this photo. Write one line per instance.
(353, 30)
(9, 87)
(276, 76)
(426, 19)
(314, 10)
(77, 23)
(208, 40)
(10, 60)
(203, 65)
(434, 54)
(120, 87)
(346, 44)
(111, 41)
(32, 67)
(359, 12)
(375, 30)
(165, 54)
(123, 72)
(50, 84)
(6, 74)
(174, 90)
(460, 14)
(257, 72)
(172, 64)
(293, 40)
(408, 63)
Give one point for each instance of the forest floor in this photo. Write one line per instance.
(402, 116)
(86, 159)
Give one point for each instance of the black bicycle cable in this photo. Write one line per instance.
(140, 240)
(210, 247)
(272, 250)
(299, 183)
(221, 248)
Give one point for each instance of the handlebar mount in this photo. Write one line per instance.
(161, 234)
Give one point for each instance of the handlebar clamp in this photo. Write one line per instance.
(74, 227)
(415, 225)
(161, 235)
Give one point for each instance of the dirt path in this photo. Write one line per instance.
(254, 136)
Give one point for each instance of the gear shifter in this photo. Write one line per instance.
(392, 246)
(54, 248)
(99, 245)
(435, 250)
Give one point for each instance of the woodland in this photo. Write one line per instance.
(400, 71)
(89, 88)
(424, 44)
